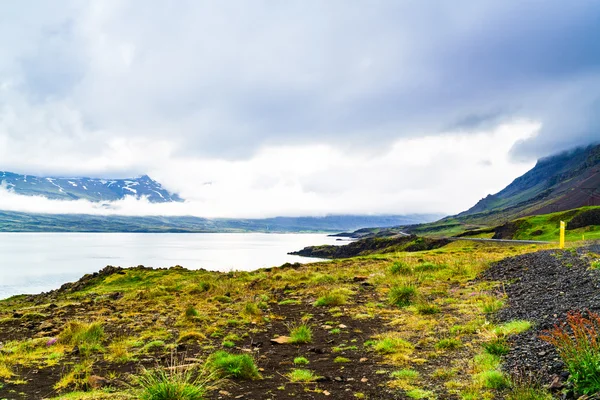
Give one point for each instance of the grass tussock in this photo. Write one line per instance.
(238, 366)
(300, 334)
(302, 376)
(402, 295)
(172, 384)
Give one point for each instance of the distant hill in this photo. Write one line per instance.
(26, 222)
(561, 182)
(92, 189)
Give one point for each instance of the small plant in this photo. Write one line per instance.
(491, 305)
(427, 309)
(228, 344)
(595, 264)
(497, 347)
(448, 344)
(78, 333)
(302, 375)
(400, 267)
(331, 299)
(525, 386)
(512, 327)
(77, 378)
(391, 345)
(493, 379)
(341, 360)
(577, 341)
(300, 334)
(402, 295)
(154, 345)
(251, 309)
(239, 366)
(405, 374)
(335, 331)
(191, 312)
(171, 384)
(428, 266)
(191, 336)
(420, 394)
(288, 302)
(301, 361)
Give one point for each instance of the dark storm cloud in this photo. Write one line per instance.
(223, 79)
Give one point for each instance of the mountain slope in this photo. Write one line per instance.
(92, 189)
(561, 182)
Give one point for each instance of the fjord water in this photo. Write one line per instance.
(37, 262)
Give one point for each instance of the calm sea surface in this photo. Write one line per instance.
(37, 262)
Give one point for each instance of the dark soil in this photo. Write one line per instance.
(542, 288)
(339, 380)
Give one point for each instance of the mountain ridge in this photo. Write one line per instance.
(92, 189)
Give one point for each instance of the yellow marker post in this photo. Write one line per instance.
(562, 235)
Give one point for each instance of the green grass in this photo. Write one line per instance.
(391, 345)
(301, 361)
(341, 360)
(405, 374)
(420, 394)
(171, 384)
(302, 376)
(402, 295)
(78, 333)
(300, 334)
(427, 309)
(191, 312)
(512, 328)
(331, 299)
(401, 268)
(497, 347)
(237, 366)
(491, 305)
(493, 379)
(289, 302)
(449, 344)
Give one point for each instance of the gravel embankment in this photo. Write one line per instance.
(542, 287)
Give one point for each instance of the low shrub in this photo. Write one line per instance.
(578, 345)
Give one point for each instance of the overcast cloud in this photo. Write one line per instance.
(255, 108)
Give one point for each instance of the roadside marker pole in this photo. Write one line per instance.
(562, 235)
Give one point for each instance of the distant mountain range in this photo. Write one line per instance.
(26, 222)
(92, 189)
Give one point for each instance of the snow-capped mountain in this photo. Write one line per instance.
(93, 189)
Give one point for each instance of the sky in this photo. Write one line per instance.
(262, 108)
